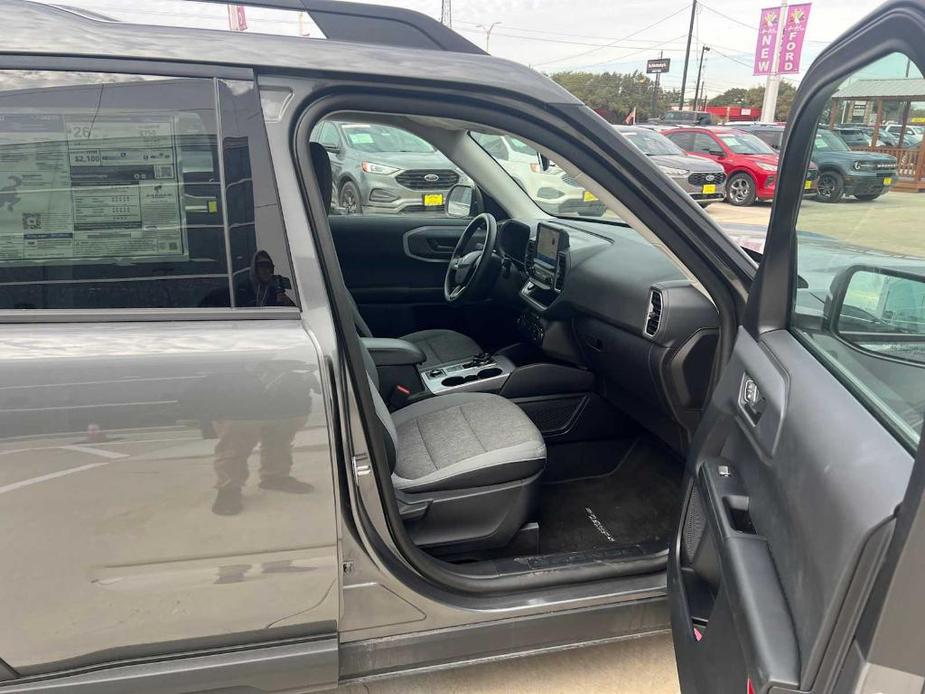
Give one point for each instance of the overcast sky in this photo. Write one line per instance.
(551, 35)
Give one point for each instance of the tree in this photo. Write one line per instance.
(737, 96)
(614, 95)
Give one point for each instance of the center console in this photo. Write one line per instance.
(547, 257)
(483, 372)
(546, 263)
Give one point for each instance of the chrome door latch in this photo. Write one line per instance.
(751, 400)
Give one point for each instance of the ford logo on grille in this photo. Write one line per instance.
(711, 177)
(431, 178)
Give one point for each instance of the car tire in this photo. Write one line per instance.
(868, 197)
(348, 198)
(830, 187)
(741, 190)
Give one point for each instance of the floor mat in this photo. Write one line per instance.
(637, 503)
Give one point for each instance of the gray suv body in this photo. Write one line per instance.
(379, 169)
(842, 171)
(703, 180)
(251, 445)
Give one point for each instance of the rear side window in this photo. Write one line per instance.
(683, 140)
(130, 191)
(704, 144)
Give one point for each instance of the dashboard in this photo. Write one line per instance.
(600, 296)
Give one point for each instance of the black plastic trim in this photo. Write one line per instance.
(268, 668)
(132, 66)
(365, 23)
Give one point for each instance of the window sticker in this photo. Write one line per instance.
(86, 189)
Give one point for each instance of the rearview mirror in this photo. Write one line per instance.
(459, 201)
(880, 310)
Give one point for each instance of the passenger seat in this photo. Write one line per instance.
(465, 467)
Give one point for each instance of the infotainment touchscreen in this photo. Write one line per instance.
(547, 245)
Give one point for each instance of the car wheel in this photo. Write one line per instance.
(740, 191)
(830, 187)
(349, 198)
(868, 197)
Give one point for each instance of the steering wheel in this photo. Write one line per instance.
(468, 272)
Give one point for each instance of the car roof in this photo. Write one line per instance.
(27, 26)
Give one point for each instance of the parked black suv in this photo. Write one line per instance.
(842, 171)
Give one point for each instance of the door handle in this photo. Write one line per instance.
(751, 399)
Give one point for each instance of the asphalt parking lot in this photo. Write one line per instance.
(884, 223)
(637, 666)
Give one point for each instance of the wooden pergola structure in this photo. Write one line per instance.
(864, 100)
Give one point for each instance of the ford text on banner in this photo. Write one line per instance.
(767, 40)
(794, 29)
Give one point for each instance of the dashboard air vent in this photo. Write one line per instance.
(655, 312)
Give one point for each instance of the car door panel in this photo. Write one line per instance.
(797, 474)
(767, 554)
(395, 266)
(113, 437)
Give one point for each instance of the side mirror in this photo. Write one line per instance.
(880, 311)
(459, 201)
(333, 149)
(717, 153)
(543, 161)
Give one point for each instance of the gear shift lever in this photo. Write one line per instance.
(478, 360)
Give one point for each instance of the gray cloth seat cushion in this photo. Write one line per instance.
(441, 346)
(464, 440)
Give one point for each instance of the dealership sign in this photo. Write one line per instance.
(793, 28)
(658, 66)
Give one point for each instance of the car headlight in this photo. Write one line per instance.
(766, 167)
(865, 166)
(670, 171)
(370, 167)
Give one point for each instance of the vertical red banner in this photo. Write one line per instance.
(767, 40)
(794, 28)
(237, 19)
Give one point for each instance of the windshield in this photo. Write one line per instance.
(744, 143)
(554, 191)
(828, 141)
(681, 115)
(375, 139)
(520, 147)
(652, 143)
(856, 137)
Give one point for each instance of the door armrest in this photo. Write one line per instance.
(387, 351)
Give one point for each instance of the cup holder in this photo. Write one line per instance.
(453, 381)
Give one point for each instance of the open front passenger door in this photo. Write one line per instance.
(802, 531)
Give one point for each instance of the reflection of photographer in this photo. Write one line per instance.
(262, 287)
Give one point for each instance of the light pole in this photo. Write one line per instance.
(687, 54)
(488, 29)
(705, 49)
(769, 106)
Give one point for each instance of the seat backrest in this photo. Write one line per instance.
(382, 411)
